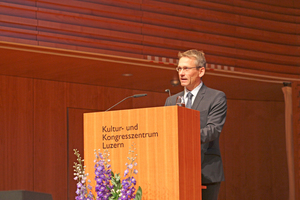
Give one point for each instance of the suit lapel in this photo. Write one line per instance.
(199, 97)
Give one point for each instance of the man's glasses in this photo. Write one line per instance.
(184, 68)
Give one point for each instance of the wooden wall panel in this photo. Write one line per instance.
(22, 2)
(265, 32)
(83, 96)
(296, 133)
(75, 141)
(253, 151)
(18, 10)
(80, 99)
(50, 138)
(16, 133)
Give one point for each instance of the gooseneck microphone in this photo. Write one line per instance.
(133, 96)
(168, 90)
(139, 95)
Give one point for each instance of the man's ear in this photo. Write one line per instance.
(201, 72)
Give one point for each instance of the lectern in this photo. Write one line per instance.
(168, 148)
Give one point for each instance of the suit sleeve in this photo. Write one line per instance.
(168, 101)
(215, 118)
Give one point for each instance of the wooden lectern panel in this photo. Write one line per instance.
(167, 143)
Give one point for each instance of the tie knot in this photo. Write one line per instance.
(189, 95)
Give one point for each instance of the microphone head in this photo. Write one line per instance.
(139, 95)
(168, 90)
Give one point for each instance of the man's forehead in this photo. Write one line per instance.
(184, 61)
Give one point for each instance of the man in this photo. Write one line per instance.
(213, 107)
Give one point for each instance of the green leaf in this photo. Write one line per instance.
(114, 182)
(108, 187)
(138, 195)
(120, 186)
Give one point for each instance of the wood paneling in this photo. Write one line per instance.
(16, 137)
(258, 166)
(296, 130)
(262, 32)
(83, 96)
(50, 138)
(254, 160)
(75, 141)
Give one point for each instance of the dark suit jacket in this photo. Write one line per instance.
(212, 105)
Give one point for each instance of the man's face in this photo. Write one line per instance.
(190, 78)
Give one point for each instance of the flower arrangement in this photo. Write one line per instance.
(108, 185)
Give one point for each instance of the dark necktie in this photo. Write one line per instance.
(189, 100)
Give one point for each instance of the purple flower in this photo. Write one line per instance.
(128, 193)
(130, 166)
(77, 191)
(79, 185)
(99, 168)
(125, 185)
(126, 172)
(133, 180)
(103, 177)
(124, 197)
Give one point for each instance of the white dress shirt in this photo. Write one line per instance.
(194, 92)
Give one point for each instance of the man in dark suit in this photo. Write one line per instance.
(213, 107)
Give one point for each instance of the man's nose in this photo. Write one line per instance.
(181, 72)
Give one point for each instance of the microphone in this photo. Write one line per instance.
(168, 90)
(139, 95)
(134, 96)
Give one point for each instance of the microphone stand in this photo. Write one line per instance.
(134, 96)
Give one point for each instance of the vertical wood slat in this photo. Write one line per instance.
(75, 141)
(296, 134)
(16, 137)
(50, 138)
(251, 145)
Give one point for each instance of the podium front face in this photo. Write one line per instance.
(167, 141)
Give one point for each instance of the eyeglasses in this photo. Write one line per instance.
(184, 68)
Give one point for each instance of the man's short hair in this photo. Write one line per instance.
(193, 53)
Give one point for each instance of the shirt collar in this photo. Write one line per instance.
(194, 91)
